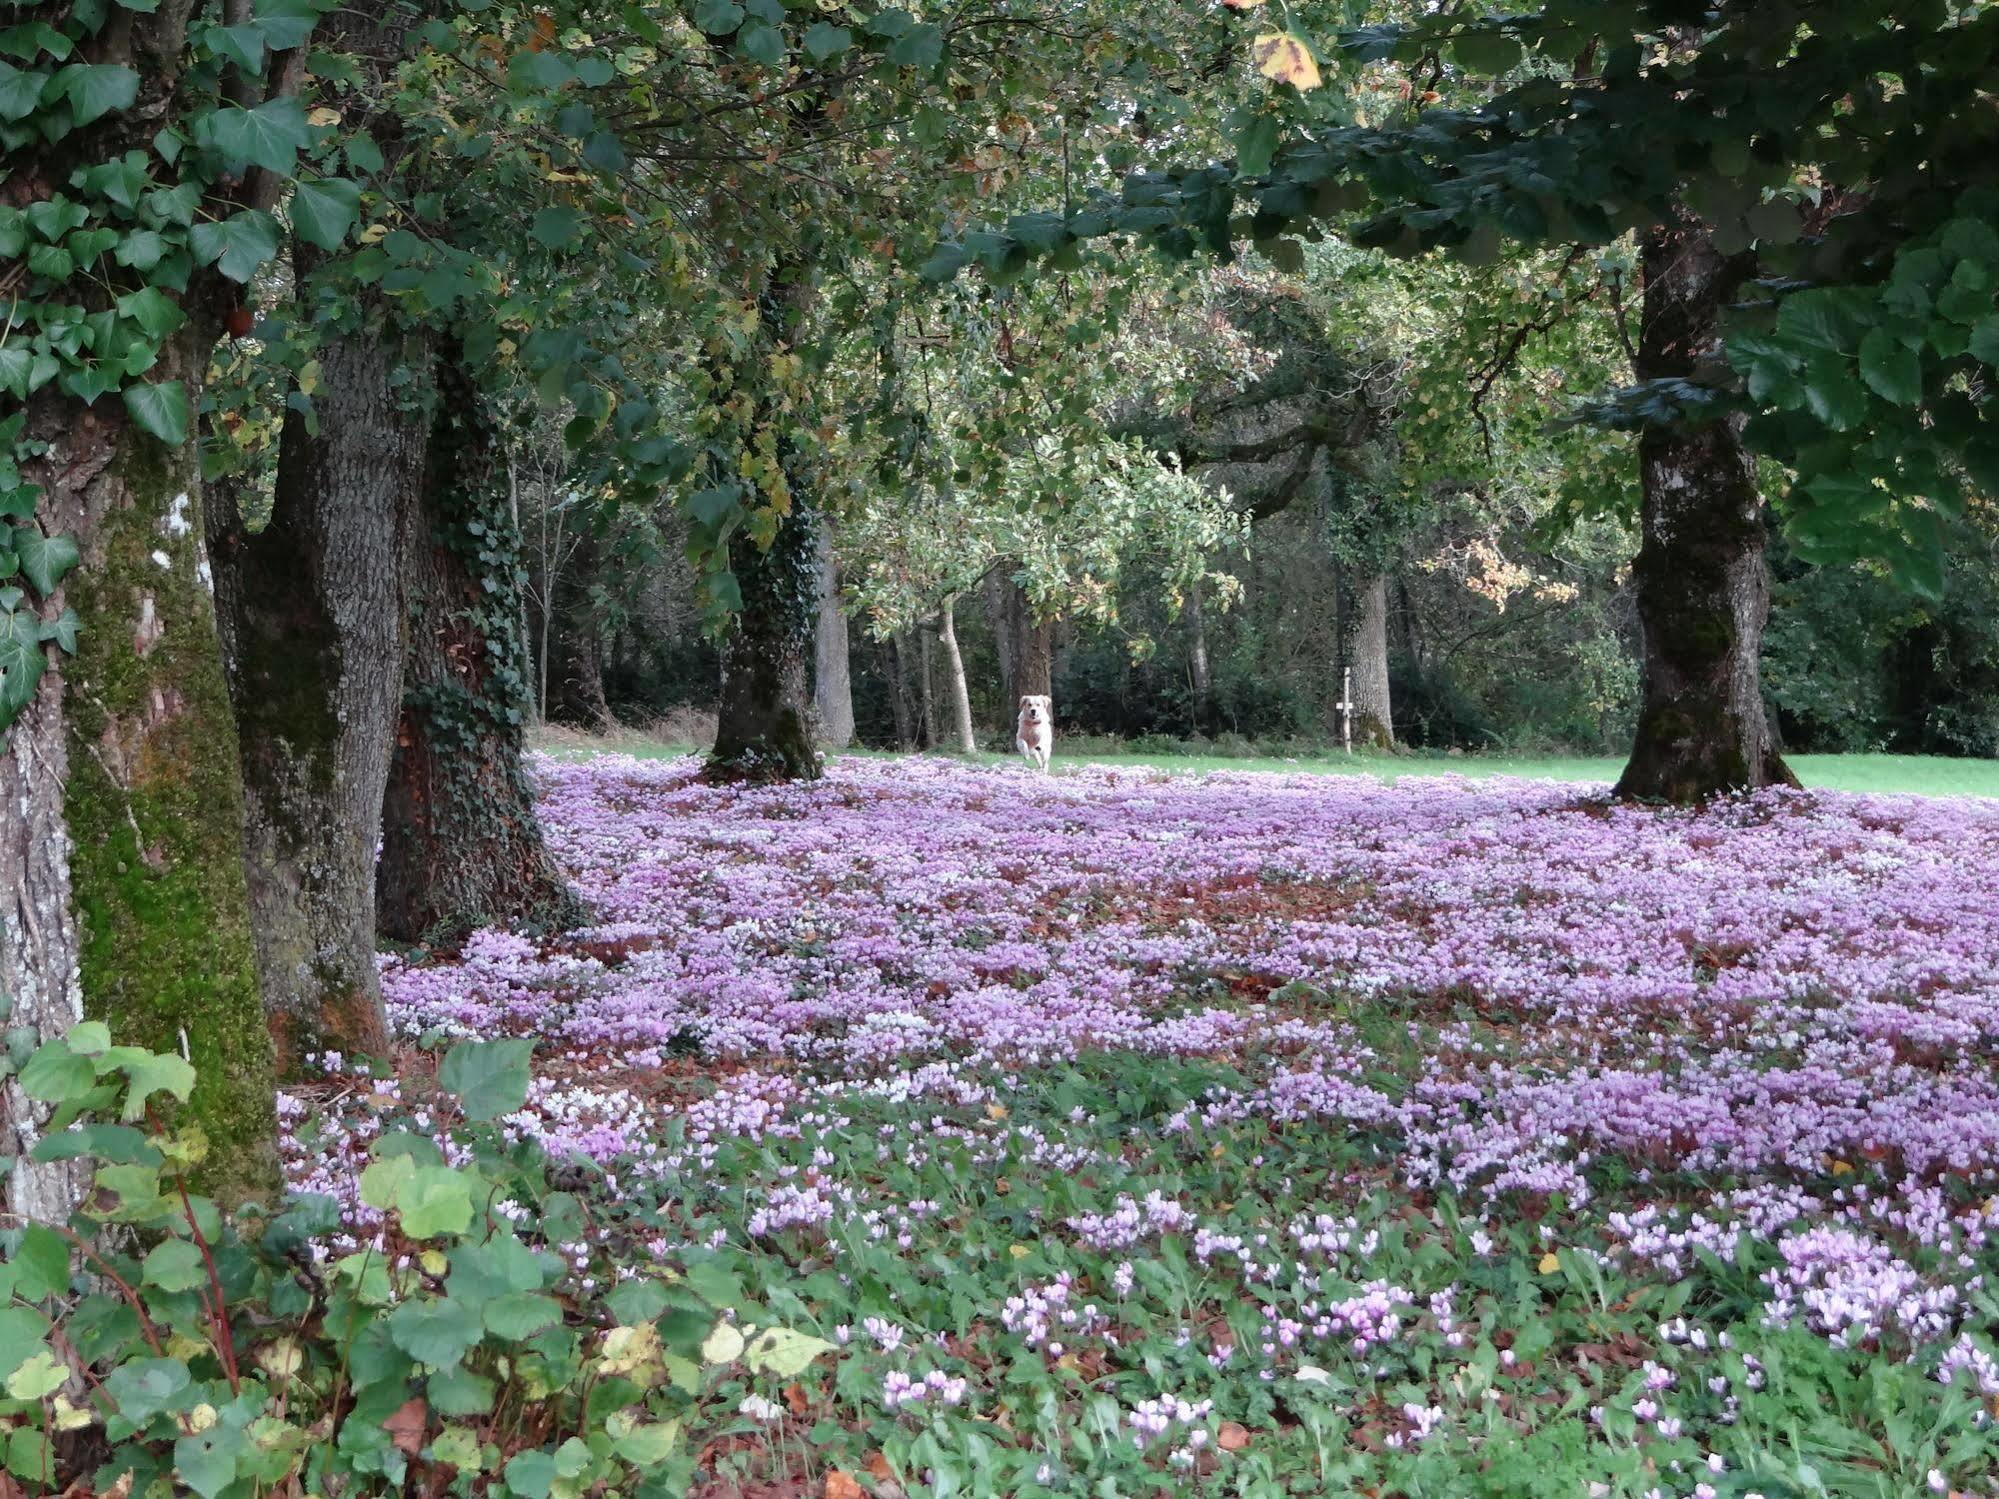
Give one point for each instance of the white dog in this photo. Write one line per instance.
(1035, 735)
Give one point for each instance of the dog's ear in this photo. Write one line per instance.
(1023, 700)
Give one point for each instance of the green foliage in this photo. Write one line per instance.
(232, 1356)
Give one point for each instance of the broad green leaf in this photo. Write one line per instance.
(490, 1078)
(723, 1345)
(780, 1351)
(270, 135)
(519, 1315)
(324, 209)
(1984, 343)
(145, 1387)
(555, 226)
(718, 17)
(22, 662)
(23, 1334)
(41, 1263)
(175, 1265)
(762, 43)
(95, 89)
(531, 1474)
(87, 1038)
(237, 244)
(459, 1392)
(1891, 369)
(1256, 146)
(55, 1074)
(438, 1331)
(436, 1200)
(149, 1072)
(823, 39)
(20, 91)
(40, 1376)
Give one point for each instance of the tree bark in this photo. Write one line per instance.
(311, 614)
(998, 587)
(134, 736)
(763, 731)
(1198, 671)
(927, 679)
(573, 667)
(954, 667)
(832, 677)
(901, 697)
(1373, 715)
(461, 845)
(1703, 594)
(1030, 645)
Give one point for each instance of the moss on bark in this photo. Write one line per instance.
(154, 805)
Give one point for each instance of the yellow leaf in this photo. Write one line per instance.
(996, 1111)
(323, 116)
(1233, 1437)
(1019, 1251)
(723, 1346)
(1840, 1168)
(1283, 58)
(372, 233)
(1550, 1263)
(1242, 4)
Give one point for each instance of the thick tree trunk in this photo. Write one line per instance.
(461, 845)
(832, 677)
(573, 664)
(1373, 715)
(39, 969)
(1030, 645)
(927, 679)
(954, 668)
(998, 587)
(311, 610)
(764, 728)
(137, 735)
(1703, 595)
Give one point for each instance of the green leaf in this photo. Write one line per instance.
(1984, 344)
(159, 409)
(23, 1334)
(40, 1376)
(22, 661)
(87, 1038)
(20, 92)
(762, 43)
(237, 244)
(42, 562)
(1256, 146)
(175, 1265)
(55, 1074)
(460, 1392)
(490, 1078)
(324, 209)
(145, 1387)
(363, 155)
(94, 89)
(41, 1262)
(147, 1073)
(269, 136)
(140, 249)
(519, 1315)
(823, 39)
(780, 1351)
(436, 1200)
(556, 226)
(1891, 369)
(438, 1331)
(531, 1474)
(718, 17)
(153, 310)
(1491, 53)
(206, 1461)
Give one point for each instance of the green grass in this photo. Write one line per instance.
(1922, 775)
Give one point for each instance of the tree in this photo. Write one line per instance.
(1859, 365)
(146, 147)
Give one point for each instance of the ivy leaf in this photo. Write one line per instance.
(237, 244)
(490, 1078)
(20, 92)
(269, 136)
(153, 310)
(160, 409)
(94, 89)
(22, 662)
(324, 209)
(44, 559)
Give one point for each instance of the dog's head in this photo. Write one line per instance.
(1036, 708)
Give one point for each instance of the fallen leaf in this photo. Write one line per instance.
(797, 1399)
(1233, 1436)
(1242, 4)
(1283, 58)
(1550, 1263)
(842, 1486)
(405, 1425)
(878, 1466)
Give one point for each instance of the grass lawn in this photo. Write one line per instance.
(1922, 775)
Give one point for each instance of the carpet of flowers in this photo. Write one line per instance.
(1137, 1134)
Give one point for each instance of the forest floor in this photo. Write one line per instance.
(1921, 775)
(1139, 1134)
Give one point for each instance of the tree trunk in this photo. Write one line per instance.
(573, 647)
(136, 737)
(925, 632)
(954, 667)
(1373, 717)
(764, 730)
(461, 845)
(311, 614)
(1703, 595)
(832, 679)
(1199, 674)
(1030, 645)
(998, 588)
(901, 698)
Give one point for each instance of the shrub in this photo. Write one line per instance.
(156, 1340)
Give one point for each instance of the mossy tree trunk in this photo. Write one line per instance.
(152, 795)
(461, 845)
(764, 731)
(1702, 589)
(312, 627)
